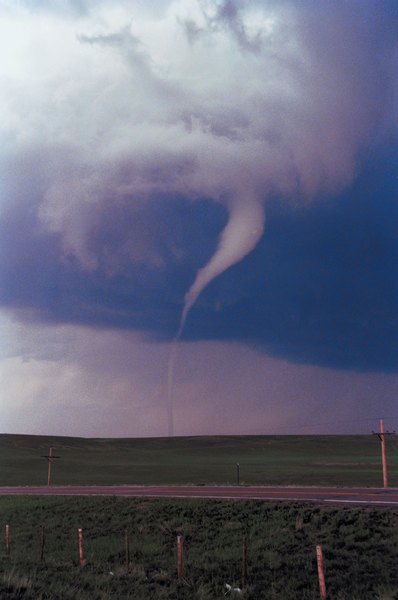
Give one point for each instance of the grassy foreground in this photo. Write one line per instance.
(300, 460)
(360, 550)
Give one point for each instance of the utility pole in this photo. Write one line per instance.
(382, 437)
(50, 458)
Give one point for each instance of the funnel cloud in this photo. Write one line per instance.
(241, 234)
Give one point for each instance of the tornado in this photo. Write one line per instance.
(240, 236)
(244, 229)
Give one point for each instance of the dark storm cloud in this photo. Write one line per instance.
(128, 148)
(145, 255)
(320, 288)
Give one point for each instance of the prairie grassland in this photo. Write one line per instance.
(300, 460)
(360, 550)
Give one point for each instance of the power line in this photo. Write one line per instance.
(315, 424)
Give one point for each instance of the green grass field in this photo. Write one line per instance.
(360, 545)
(300, 460)
(360, 550)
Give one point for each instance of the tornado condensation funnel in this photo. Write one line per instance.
(244, 229)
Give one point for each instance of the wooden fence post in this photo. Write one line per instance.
(42, 542)
(180, 560)
(82, 562)
(8, 540)
(321, 575)
(127, 549)
(244, 562)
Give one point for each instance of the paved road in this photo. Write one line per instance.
(318, 495)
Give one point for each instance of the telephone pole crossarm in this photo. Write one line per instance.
(380, 435)
(50, 459)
